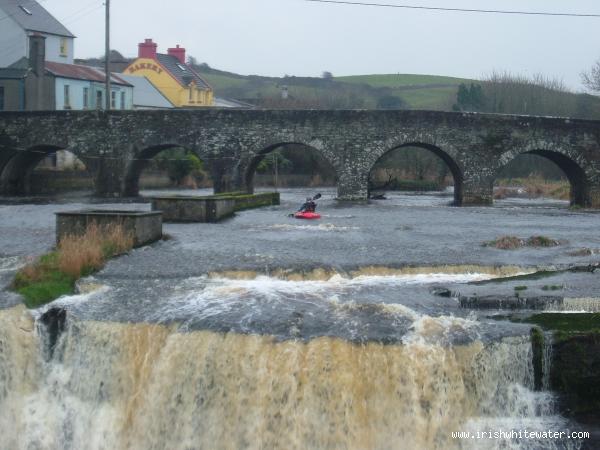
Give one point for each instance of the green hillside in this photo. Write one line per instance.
(362, 91)
(403, 80)
(502, 94)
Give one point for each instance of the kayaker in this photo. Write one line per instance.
(308, 206)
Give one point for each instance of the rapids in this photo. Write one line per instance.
(264, 333)
(150, 386)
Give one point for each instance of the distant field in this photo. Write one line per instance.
(438, 98)
(418, 91)
(397, 80)
(223, 81)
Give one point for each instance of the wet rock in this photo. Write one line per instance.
(575, 374)
(589, 268)
(442, 292)
(510, 302)
(54, 321)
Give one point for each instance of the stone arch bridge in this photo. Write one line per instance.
(116, 145)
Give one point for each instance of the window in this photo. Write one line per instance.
(98, 99)
(113, 100)
(1, 98)
(67, 97)
(64, 48)
(25, 10)
(122, 100)
(191, 94)
(86, 94)
(181, 66)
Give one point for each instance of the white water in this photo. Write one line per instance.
(145, 386)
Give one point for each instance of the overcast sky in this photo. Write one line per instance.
(295, 37)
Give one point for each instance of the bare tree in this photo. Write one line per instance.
(591, 79)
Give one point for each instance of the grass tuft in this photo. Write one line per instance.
(505, 243)
(55, 273)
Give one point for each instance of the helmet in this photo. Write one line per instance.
(309, 199)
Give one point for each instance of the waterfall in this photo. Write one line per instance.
(145, 386)
(589, 304)
(547, 360)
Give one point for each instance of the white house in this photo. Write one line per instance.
(21, 18)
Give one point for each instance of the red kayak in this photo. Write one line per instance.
(307, 215)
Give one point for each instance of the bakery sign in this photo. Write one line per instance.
(145, 66)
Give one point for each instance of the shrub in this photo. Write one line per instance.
(541, 241)
(513, 242)
(506, 243)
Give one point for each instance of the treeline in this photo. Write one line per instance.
(505, 93)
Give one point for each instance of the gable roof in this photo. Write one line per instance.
(183, 73)
(32, 17)
(145, 94)
(79, 72)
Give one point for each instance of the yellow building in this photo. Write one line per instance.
(169, 73)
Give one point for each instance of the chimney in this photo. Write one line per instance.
(37, 53)
(147, 49)
(178, 52)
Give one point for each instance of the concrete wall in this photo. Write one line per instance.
(39, 93)
(14, 44)
(193, 209)
(14, 94)
(53, 53)
(144, 227)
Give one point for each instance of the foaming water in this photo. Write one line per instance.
(320, 227)
(11, 263)
(295, 360)
(589, 304)
(144, 386)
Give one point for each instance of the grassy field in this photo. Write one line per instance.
(417, 91)
(402, 80)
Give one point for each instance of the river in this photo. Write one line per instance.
(268, 332)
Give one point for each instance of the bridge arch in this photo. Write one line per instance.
(257, 158)
(18, 166)
(449, 160)
(572, 168)
(141, 160)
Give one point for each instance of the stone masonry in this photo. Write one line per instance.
(116, 145)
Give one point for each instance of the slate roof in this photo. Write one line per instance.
(145, 94)
(39, 19)
(182, 72)
(79, 72)
(221, 102)
(12, 74)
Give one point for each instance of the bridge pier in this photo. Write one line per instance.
(594, 197)
(109, 177)
(353, 187)
(223, 176)
(476, 193)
